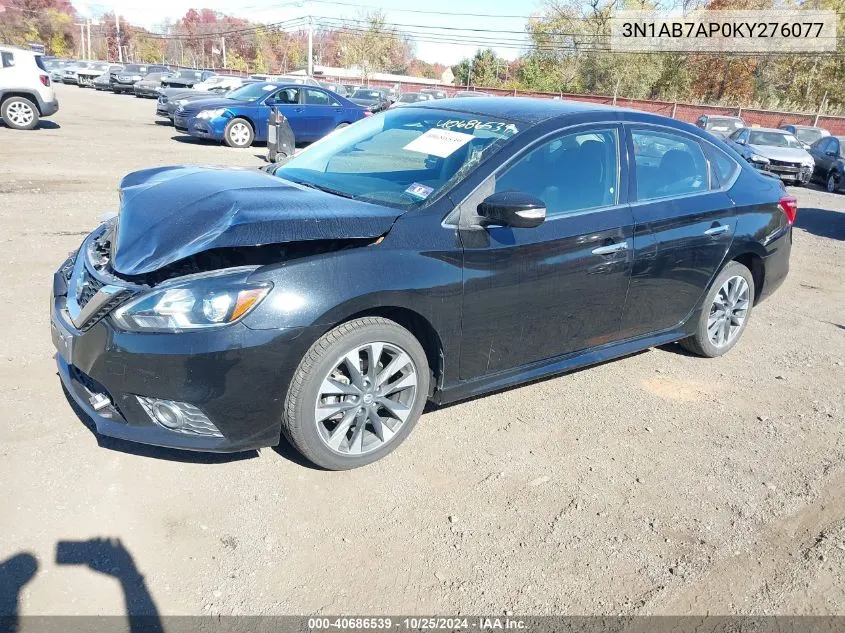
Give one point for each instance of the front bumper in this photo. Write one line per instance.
(236, 376)
(140, 91)
(794, 174)
(121, 87)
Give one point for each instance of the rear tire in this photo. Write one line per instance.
(362, 429)
(725, 311)
(238, 133)
(832, 182)
(340, 126)
(19, 113)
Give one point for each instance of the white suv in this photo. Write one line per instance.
(26, 92)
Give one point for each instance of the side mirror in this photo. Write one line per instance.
(513, 208)
(740, 141)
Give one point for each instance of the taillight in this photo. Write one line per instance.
(789, 205)
(45, 79)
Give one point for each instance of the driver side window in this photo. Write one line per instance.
(571, 173)
(286, 96)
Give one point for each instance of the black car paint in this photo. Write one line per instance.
(828, 157)
(475, 296)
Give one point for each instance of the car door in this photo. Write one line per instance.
(821, 159)
(322, 112)
(287, 101)
(684, 225)
(538, 293)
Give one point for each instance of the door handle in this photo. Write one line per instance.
(611, 248)
(717, 230)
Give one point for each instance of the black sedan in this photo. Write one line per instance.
(829, 156)
(186, 78)
(124, 80)
(437, 251)
(374, 99)
(150, 85)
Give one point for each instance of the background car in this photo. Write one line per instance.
(55, 68)
(829, 157)
(150, 85)
(339, 89)
(471, 93)
(434, 92)
(807, 134)
(186, 78)
(68, 74)
(103, 82)
(85, 76)
(411, 97)
(774, 151)
(374, 99)
(218, 86)
(721, 126)
(124, 80)
(243, 116)
(26, 90)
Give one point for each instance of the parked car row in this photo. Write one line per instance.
(797, 154)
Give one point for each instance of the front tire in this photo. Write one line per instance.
(356, 394)
(19, 113)
(724, 313)
(238, 133)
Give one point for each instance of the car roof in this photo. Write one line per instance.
(803, 127)
(723, 116)
(15, 49)
(523, 109)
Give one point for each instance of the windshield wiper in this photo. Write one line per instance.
(334, 192)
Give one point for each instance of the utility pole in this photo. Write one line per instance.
(469, 73)
(224, 52)
(117, 26)
(821, 108)
(89, 38)
(310, 46)
(82, 40)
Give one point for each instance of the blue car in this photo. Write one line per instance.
(242, 117)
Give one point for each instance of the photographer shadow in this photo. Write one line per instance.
(106, 556)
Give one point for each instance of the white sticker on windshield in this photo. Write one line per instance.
(437, 142)
(268, 88)
(419, 191)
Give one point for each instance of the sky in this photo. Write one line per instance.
(151, 13)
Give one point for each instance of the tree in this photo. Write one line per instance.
(372, 47)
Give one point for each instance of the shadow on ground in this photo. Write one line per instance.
(102, 555)
(821, 222)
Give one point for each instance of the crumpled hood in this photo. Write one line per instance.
(169, 213)
(788, 154)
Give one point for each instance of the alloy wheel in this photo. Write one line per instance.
(366, 398)
(20, 113)
(239, 134)
(728, 311)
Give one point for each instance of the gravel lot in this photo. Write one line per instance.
(656, 484)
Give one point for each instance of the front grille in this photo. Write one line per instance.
(90, 287)
(784, 163)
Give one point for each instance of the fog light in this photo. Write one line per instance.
(179, 417)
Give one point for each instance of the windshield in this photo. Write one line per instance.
(366, 94)
(723, 125)
(808, 135)
(774, 139)
(189, 74)
(251, 92)
(403, 158)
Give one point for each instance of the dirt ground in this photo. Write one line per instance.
(656, 484)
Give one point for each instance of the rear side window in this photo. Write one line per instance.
(571, 173)
(8, 59)
(724, 167)
(40, 63)
(668, 165)
(316, 97)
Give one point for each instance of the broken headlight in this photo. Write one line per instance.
(198, 304)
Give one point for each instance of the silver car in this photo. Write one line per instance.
(775, 151)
